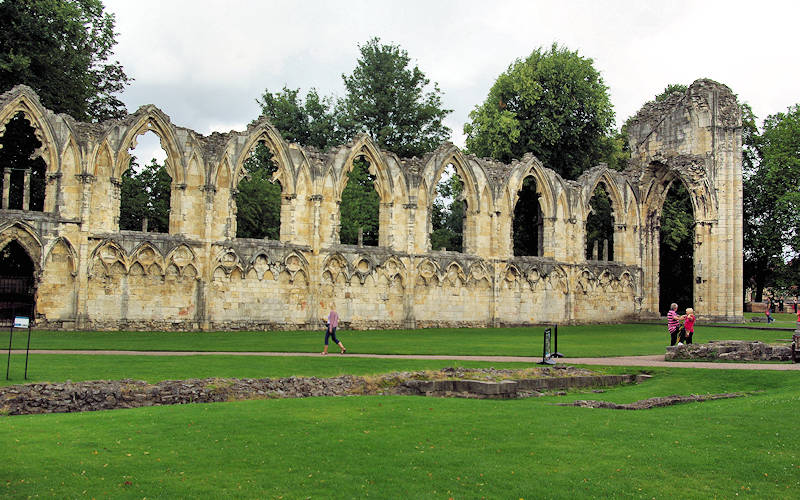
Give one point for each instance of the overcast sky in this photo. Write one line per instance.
(204, 63)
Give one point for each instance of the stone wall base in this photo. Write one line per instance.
(730, 350)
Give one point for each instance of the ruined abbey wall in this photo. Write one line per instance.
(89, 274)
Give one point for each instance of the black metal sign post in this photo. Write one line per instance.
(557, 354)
(28, 348)
(10, 336)
(547, 358)
(19, 322)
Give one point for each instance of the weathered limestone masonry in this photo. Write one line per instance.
(89, 274)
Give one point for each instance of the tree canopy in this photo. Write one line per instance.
(772, 203)
(387, 98)
(447, 213)
(310, 122)
(145, 192)
(553, 103)
(61, 48)
(258, 201)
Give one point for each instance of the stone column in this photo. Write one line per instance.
(6, 186)
(26, 190)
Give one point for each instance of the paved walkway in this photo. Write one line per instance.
(654, 360)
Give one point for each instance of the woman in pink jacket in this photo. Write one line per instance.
(330, 332)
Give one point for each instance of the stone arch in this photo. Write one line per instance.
(474, 202)
(544, 186)
(454, 274)
(28, 239)
(181, 255)
(147, 254)
(27, 103)
(337, 265)
(152, 119)
(109, 253)
(263, 131)
(103, 163)
(446, 155)
(366, 147)
(69, 249)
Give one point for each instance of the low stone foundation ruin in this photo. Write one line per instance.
(449, 382)
(730, 350)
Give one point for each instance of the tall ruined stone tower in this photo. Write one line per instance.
(694, 138)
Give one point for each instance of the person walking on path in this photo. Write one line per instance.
(768, 311)
(673, 323)
(688, 325)
(330, 332)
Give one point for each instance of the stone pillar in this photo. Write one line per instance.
(594, 250)
(605, 250)
(6, 186)
(26, 190)
(539, 231)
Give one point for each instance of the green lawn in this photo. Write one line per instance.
(575, 341)
(782, 320)
(413, 447)
(402, 447)
(58, 368)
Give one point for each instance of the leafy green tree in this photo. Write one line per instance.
(772, 203)
(600, 224)
(670, 89)
(145, 192)
(553, 103)
(447, 214)
(676, 250)
(313, 122)
(387, 98)
(359, 207)
(61, 48)
(259, 199)
(17, 145)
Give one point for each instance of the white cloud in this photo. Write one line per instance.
(204, 63)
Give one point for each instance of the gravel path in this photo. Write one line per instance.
(653, 360)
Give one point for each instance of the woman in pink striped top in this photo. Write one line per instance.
(673, 323)
(330, 332)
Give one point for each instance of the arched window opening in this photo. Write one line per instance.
(146, 188)
(22, 178)
(17, 284)
(676, 249)
(528, 228)
(448, 211)
(600, 226)
(258, 201)
(360, 207)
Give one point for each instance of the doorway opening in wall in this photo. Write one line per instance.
(146, 188)
(528, 229)
(600, 226)
(258, 201)
(19, 143)
(448, 211)
(676, 250)
(360, 206)
(17, 283)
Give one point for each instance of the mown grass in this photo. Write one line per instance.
(782, 320)
(413, 447)
(573, 341)
(76, 367)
